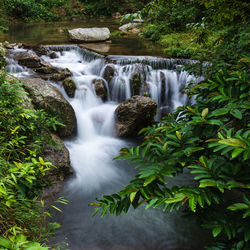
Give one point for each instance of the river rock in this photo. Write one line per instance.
(134, 114)
(109, 72)
(53, 55)
(128, 26)
(39, 50)
(58, 155)
(28, 59)
(69, 86)
(100, 88)
(45, 96)
(89, 34)
(47, 68)
(102, 48)
(61, 75)
(136, 84)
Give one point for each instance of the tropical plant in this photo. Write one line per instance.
(210, 139)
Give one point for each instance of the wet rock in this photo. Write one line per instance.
(29, 60)
(163, 86)
(61, 75)
(134, 114)
(102, 48)
(89, 34)
(136, 84)
(47, 68)
(100, 88)
(39, 50)
(109, 73)
(53, 55)
(69, 86)
(56, 153)
(45, 96)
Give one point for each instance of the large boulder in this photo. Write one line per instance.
(89, 34)
(45, 96)
(61, 75)
(100, 88)
(134, 114)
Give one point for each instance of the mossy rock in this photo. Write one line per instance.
(69, 86)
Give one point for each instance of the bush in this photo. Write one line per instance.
(23, 132)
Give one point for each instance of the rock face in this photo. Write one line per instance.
(61, 75)
(89, 34)
(58, 155)
(134, 114)
(100, 89)
(45, 96)
(69, 86)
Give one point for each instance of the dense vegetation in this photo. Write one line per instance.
(23, 132)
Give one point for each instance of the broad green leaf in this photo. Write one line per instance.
(207, 184)
(233, 142)
(132, 196)
(217, 230)
(236, 113)
(236, 152)
(177, 197)
(5, 243)
(149, 180)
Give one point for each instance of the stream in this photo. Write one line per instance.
(96, 144)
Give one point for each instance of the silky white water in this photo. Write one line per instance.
(95, 145)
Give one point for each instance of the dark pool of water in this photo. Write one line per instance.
(53, 33)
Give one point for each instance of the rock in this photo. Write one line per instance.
(100, 88)
(89, 34)
(102, 48)
(45, 96)
(58, 155)
(163, 86)
(69, 86)
(53, 55)
(61, 75)
(39, 50)
(109, 72)
(134, 114)
(117, 15)
(47, 68)
(128, 26)
(29, 60)
(136, 84)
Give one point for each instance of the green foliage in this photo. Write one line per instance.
(211, 140)
(23, 132)
(32, 9)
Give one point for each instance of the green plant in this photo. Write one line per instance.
(23, 133)
(211, 140)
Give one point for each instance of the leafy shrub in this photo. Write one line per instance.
(211, 140)
(23, 132)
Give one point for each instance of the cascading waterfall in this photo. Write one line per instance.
(95, 144)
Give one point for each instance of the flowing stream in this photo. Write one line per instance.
(95, 145)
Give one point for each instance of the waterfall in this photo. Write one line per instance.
(94, 146)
